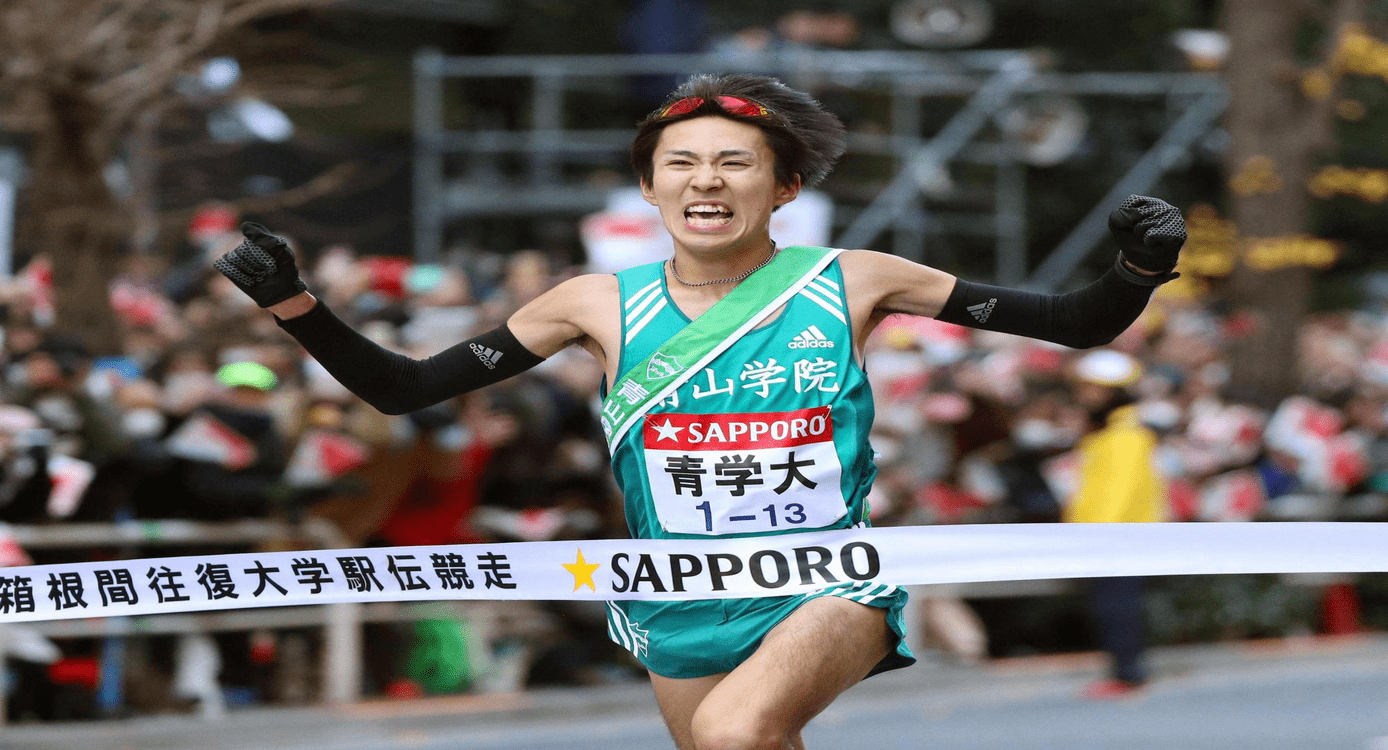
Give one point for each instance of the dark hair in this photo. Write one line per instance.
(805, 137)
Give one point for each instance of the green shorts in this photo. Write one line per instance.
(701, 637)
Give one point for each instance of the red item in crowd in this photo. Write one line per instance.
(263, 649)
(386, 275)
(403, 688)
(136, 306)
(435, 511)
(11, 554)
(1182, 500)
(1040, 359)
(1322, 421)
(38, 277)
(211, 221)
(1233, 496)
(949, 504)
(205, 438)
(1349, 461)
(1241, 325)
(324, 455)
(1340, 609)
(1109, 690)
(900, 389)
(619, 226)
(946, 408)
(75, 670)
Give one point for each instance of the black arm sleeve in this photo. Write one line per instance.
(395, 383)
(1087, 317)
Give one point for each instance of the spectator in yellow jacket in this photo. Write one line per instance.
(1118, 483)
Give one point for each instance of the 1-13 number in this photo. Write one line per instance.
(794, 514)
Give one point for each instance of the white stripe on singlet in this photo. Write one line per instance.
(643, 322)
(832, 310)
(641, 292)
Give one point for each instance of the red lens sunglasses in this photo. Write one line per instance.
(733, 105)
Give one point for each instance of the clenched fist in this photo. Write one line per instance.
(262, 266)
(1149, 233)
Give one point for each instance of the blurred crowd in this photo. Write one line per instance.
(205, 410)
(978, 427)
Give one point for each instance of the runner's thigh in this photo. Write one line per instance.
(823, 648)
(678, 699)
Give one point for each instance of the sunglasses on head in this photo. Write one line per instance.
(733, 105)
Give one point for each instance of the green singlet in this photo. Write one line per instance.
(770, 438)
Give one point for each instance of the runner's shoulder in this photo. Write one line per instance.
(574, 300)
(586, 305)
(872, 266)
(872, 262)
(865, 270)
(891, 283)
(588, 290)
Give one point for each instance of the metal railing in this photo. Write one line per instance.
(988, 82)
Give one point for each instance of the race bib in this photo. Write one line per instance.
(714, 474)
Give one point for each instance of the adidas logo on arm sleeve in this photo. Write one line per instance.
(488, 355)
(982, 310)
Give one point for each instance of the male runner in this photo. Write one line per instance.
(717, 160)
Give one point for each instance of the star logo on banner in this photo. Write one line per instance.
(668, 431)
(582, 571)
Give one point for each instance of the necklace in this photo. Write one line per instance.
(675, 272)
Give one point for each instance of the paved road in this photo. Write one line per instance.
(1302, 696)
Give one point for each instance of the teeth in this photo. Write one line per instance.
(708, 215)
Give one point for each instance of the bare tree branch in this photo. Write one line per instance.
(308, 97)
(245, 11)
(180, 43)
(324, 183)
(18, 120)
(142, 45)
(80, 76)
(112, 27)
(311, 76)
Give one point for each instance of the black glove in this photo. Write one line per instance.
(262, 266)
(1149, 233)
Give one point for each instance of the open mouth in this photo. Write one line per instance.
(708, 215)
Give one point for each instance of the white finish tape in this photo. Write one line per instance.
(686, 569)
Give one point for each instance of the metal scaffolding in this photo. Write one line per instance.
(989, 84)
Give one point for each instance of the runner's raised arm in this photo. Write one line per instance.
(1149, 233)
(264, 268)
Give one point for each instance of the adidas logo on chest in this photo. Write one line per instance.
(811, 338)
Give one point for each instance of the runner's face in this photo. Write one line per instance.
(714, 182)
